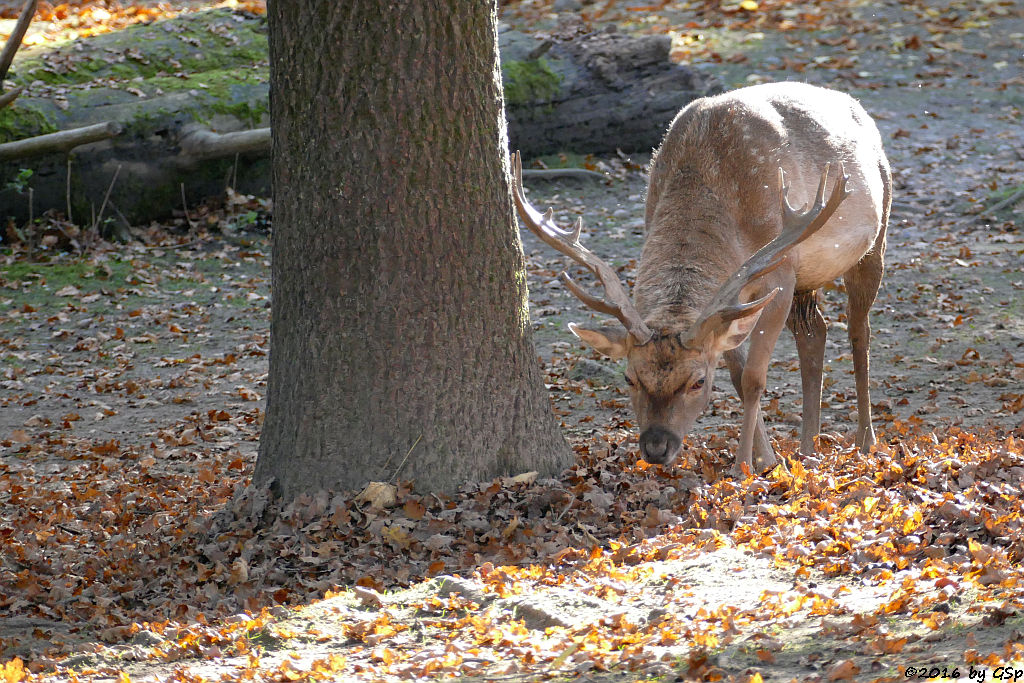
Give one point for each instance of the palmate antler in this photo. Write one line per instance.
(797, 226)
(543, 226)
(11, 47)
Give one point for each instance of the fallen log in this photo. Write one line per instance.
(597, 92)
(188, 134)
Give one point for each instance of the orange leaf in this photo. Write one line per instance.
(13, 671)
(414, 509)
(843, 670)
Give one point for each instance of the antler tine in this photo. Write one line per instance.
(593, 302)
(797, 226)
(576, 231)
(800, 224)
(568, 243)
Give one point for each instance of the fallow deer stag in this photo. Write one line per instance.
(727, 257)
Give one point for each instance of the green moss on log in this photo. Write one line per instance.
(195, 43)
(529, 81)
(221, 91)
(199, 67)
(22, 120)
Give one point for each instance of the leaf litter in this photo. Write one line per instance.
(135, 549)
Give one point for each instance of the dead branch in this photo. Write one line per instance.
(205, 144)
(11, 47)
(61, 141)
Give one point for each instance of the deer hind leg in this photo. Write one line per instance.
(809, 330)
(862, 286)
(736, 360)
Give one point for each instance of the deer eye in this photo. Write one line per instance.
(629, 381)
(698, 385)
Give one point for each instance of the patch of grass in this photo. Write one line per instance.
(35, 284)
(13, 361)
(180, 284)
(85, 275)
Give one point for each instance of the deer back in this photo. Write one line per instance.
(713, 196)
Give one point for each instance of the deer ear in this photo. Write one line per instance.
(735, 333)
(611, 342)
(718, 335)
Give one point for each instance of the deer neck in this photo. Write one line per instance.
(683, 264)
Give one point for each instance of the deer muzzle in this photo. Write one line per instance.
(659, 445)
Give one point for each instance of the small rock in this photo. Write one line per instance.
(367, 596)
(82, 660)
(656, 614)
(539, 617)
(147, 639)
(446, 585)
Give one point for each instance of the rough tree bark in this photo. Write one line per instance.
(400, 338)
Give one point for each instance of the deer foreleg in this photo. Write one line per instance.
(754, 379)
(809, 330)
(736, 360)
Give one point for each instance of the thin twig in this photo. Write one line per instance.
(15, 39)
(106, 197)
(113, 207)
(555, 173)
(1012, 199)
(183, 245)
(68, 191)
(184, 206)
(572, 502)
(972, 221)
(402, 464)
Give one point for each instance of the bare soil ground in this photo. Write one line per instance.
(160, 352)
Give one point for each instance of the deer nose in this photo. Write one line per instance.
(659, 445)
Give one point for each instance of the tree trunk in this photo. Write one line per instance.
(400, 337)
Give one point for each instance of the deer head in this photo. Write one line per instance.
(670, 373)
